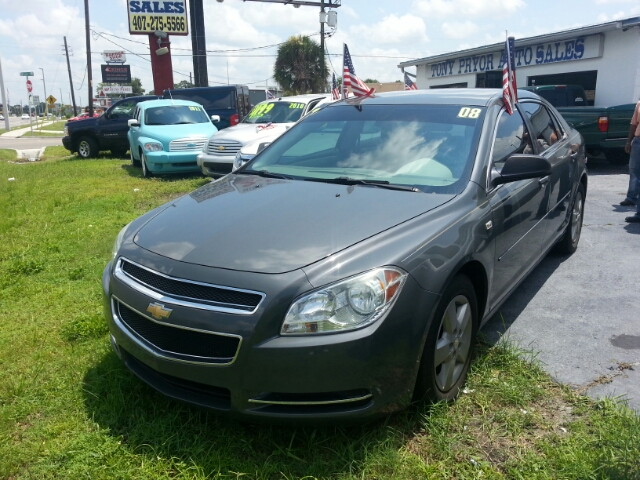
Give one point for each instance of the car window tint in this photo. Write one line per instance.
(175, 115)
(428, 147)
(275, 112)
(543, 127)
(511, 137)
(124, 110)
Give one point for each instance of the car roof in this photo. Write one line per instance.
(168, 102)
(480, 97)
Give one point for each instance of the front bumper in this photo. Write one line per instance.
(353, 375)
(67, 143)
(172, 162)
(215, 166)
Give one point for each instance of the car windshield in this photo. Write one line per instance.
(275, 112)
(427, 147)
(175, 115)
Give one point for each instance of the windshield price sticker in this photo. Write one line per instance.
(261, 109)
(466, 112)
(158, 16)
(296, 105)
(196, 109)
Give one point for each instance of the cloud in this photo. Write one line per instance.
(459, 30)
(393, 30)
(445, 8)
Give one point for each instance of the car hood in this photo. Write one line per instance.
(172, 132)
(246, 132)
(266, 225)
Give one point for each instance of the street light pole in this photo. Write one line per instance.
(46, 103)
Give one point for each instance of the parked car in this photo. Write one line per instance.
(230, 102)
(268, 118)
(166, 136)
(605, 129)
(347, 268)
(106, 132)
(25, 116)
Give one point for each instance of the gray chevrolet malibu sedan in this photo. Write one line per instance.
(346, 269)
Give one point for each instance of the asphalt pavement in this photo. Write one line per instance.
(580, 314)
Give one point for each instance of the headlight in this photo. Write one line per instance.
(118, 242)
(153, 147)
(346, 305)
(240, 160)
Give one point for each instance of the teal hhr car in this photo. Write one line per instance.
(166, 136)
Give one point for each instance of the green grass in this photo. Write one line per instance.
(7, 155)
(70, 410)
(59, 126)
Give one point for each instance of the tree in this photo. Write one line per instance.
(371, 80)
(300, 66)
(183, 84)
(137, 86)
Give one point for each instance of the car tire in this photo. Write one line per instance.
(450, 343)
(569, 241)
(134, 162)
(146, 173)
(87, 147)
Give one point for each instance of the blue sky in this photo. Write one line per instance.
(380, 34)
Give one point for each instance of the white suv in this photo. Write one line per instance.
(270, 118)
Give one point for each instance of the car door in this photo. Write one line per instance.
(553, 144)
(518, 209)
(113, 124)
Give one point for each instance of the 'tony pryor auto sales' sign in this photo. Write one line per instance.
(116, 73)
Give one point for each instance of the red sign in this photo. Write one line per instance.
(29, 86)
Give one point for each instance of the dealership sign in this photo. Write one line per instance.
(114, 56)
(147, 17)
(117, 89)
(578, 48)
(116, 74)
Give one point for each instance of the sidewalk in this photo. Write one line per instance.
(21, 131)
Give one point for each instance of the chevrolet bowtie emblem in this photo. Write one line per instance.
(220, 147)
(158, 311)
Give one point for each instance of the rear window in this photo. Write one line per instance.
(175, 115)
(210, 100)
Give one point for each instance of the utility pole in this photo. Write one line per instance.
(4, 100)
(88, 46)
(46, 103)
(73, 95)
(198, 43)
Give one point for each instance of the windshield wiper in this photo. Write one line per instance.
(264, 173)
(373, 183)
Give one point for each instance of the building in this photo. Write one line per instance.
(604, 59)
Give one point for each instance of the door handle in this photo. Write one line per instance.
(543, 180)
(574, 156)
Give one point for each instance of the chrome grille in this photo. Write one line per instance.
(187, 144)
(223, 148)
(187, 293)
(187, 345)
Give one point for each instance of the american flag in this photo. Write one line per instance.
(509, 86)
(349, 78)
(269, 95)
(335, 91)
(408, 84)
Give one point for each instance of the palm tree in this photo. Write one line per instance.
(300, 66)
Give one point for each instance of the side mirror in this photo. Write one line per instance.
(132, 122)
(521, 167)
(215, 118)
